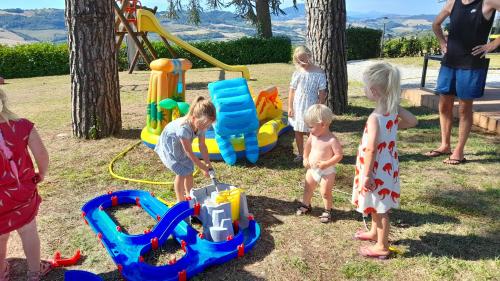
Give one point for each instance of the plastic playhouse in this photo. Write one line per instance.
(229, 231)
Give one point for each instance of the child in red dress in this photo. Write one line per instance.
(376, 182)
(19, 199)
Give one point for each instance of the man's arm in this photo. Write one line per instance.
(436, 25)
(489, 6)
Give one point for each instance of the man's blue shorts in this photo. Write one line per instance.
(466, 84)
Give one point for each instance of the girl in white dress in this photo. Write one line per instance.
(376, 181)
(308, 87)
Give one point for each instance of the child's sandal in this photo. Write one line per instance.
(45, 267)
(5, 275)
(303, 209)
(326, 216)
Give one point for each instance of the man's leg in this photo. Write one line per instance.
(445, 122)
(464, 127)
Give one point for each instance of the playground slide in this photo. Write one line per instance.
(147, 21)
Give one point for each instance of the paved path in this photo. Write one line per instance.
(486, 109)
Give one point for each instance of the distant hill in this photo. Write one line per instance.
(22, 26)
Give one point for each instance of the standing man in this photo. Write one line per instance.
(464, 67)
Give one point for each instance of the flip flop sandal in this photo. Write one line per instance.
(325, 217)
(45, 267)
(357, 236)
(367, 253)
(5, 276)
(436, 153)
(451, 161)
(303, 209)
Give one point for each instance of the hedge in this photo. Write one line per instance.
(406, 47)
(363, 43)
(44, 59)
(31, 60)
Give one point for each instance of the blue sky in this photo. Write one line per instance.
(408, 7)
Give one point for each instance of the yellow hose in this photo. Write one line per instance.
(121, 155)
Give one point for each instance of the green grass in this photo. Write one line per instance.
(447, 227)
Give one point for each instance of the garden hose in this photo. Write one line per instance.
(121, 155)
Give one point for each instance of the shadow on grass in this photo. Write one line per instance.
(468, 247)
(19, 269)
(404, 219)
(467, 201)
(130, 134)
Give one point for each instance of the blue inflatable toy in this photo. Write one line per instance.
(236, 116)
(127, 251)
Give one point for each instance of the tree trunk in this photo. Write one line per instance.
(326, 37)
(95, 92)
(264, 28)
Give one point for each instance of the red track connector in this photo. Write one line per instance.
(229, 237)
(173, 260)
(146, 231)
(197, 208)
(154, 243)
(138, 202)
(141, 259)
(120, 268)
(250, 217)
(241, 250)
(99, 236)
(201, 235)
(182, 275)
(118, 228)
(158, 217)
(114, 201)
(60, 262)
(183, 245)
(236, 227)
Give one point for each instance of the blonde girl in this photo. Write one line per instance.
(376, 187)
(19, 199)
(307, 87)
(174, 145)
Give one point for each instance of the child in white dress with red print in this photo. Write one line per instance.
(376, 182)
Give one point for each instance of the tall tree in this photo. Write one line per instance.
(95, 92)
(326, 36)
(257, 12)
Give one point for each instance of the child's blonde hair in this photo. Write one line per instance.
(202, 108)
(388, 78)
(299, 51)
(318, 113)
(4, 110)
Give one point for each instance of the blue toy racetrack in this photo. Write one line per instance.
(127, 250)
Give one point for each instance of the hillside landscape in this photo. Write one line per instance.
(24, 26)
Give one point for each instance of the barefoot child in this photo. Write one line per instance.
(308, 87)
(322, 151)
(376, 182)
(174, 145)
(19, 199)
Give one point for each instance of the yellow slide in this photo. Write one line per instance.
(147, 21)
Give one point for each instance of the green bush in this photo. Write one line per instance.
(31, 60)
(406, 47)
(363, 43)
(44, 59)
(242, 51)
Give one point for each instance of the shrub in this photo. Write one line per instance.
(363, 43)
(44, 59)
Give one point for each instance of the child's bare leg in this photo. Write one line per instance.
(188, 184)
(309, 187)
(326, 186)
(3, 252)
(382, 224)
(179, 188)
(31, 245)
(299, 140)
